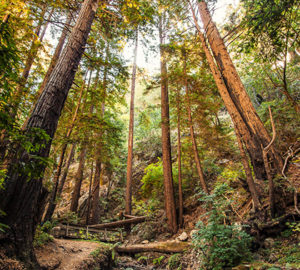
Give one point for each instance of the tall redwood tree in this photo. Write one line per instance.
(24, 194)
(170, 207)
(128, 198)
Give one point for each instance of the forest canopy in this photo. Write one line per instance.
(183, 114)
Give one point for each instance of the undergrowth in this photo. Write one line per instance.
(220, 243)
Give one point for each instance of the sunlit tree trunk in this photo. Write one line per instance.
(238, 122)
(32, 53)
(95, 211)
(54, 59)
(24, 195)
(128, 199)
(180, 194)
(239, 96)
(166, 140)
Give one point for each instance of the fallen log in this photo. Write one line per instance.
(163, 247)
(118, 224)
(128, 216)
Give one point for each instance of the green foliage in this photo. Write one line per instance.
(295, 226)
(152, 180)
(219, 243)
(142, 259)
(270, 25)
(33, 142)
(42, 235)
(2, 178)
(158, 260)
(9, 64)
(148, 207)
(174, 261)
(231, 173)
(3, 227)
(69, 217)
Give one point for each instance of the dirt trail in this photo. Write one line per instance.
(69, 255)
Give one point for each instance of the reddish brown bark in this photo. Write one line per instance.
(128, 198)
(118, 224)
(52, 199)
(65, 173)
(248, 172)
(78, 180)
(88, 212)
(95, 211)
(180, 195)
(95, 215)
(239, 97)
(166, 141)
(23, 198)
(238, 122)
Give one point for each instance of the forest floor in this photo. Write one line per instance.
(64, 254)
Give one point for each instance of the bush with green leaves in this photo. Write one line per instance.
(42, 235)
(153, 180)
(174, 261)
(220, 243)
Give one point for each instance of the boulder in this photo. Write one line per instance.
(183, 237)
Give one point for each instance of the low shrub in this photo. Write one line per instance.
(219, 243)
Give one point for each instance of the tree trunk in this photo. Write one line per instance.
(166, 141)
(194, 142)
(19, 93)
(78, 180)
(180, 197)
(128, 199)
(238, 122)
(54, 60)
(119, 223)
(66, 170)
(24, 194)
(52, 204)
(46, 25)
(57, 52)
(35, 45)
(239, 96)
(53, 200)
(95, 213)
(163, 247)
(248, 172)
(87, 222)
